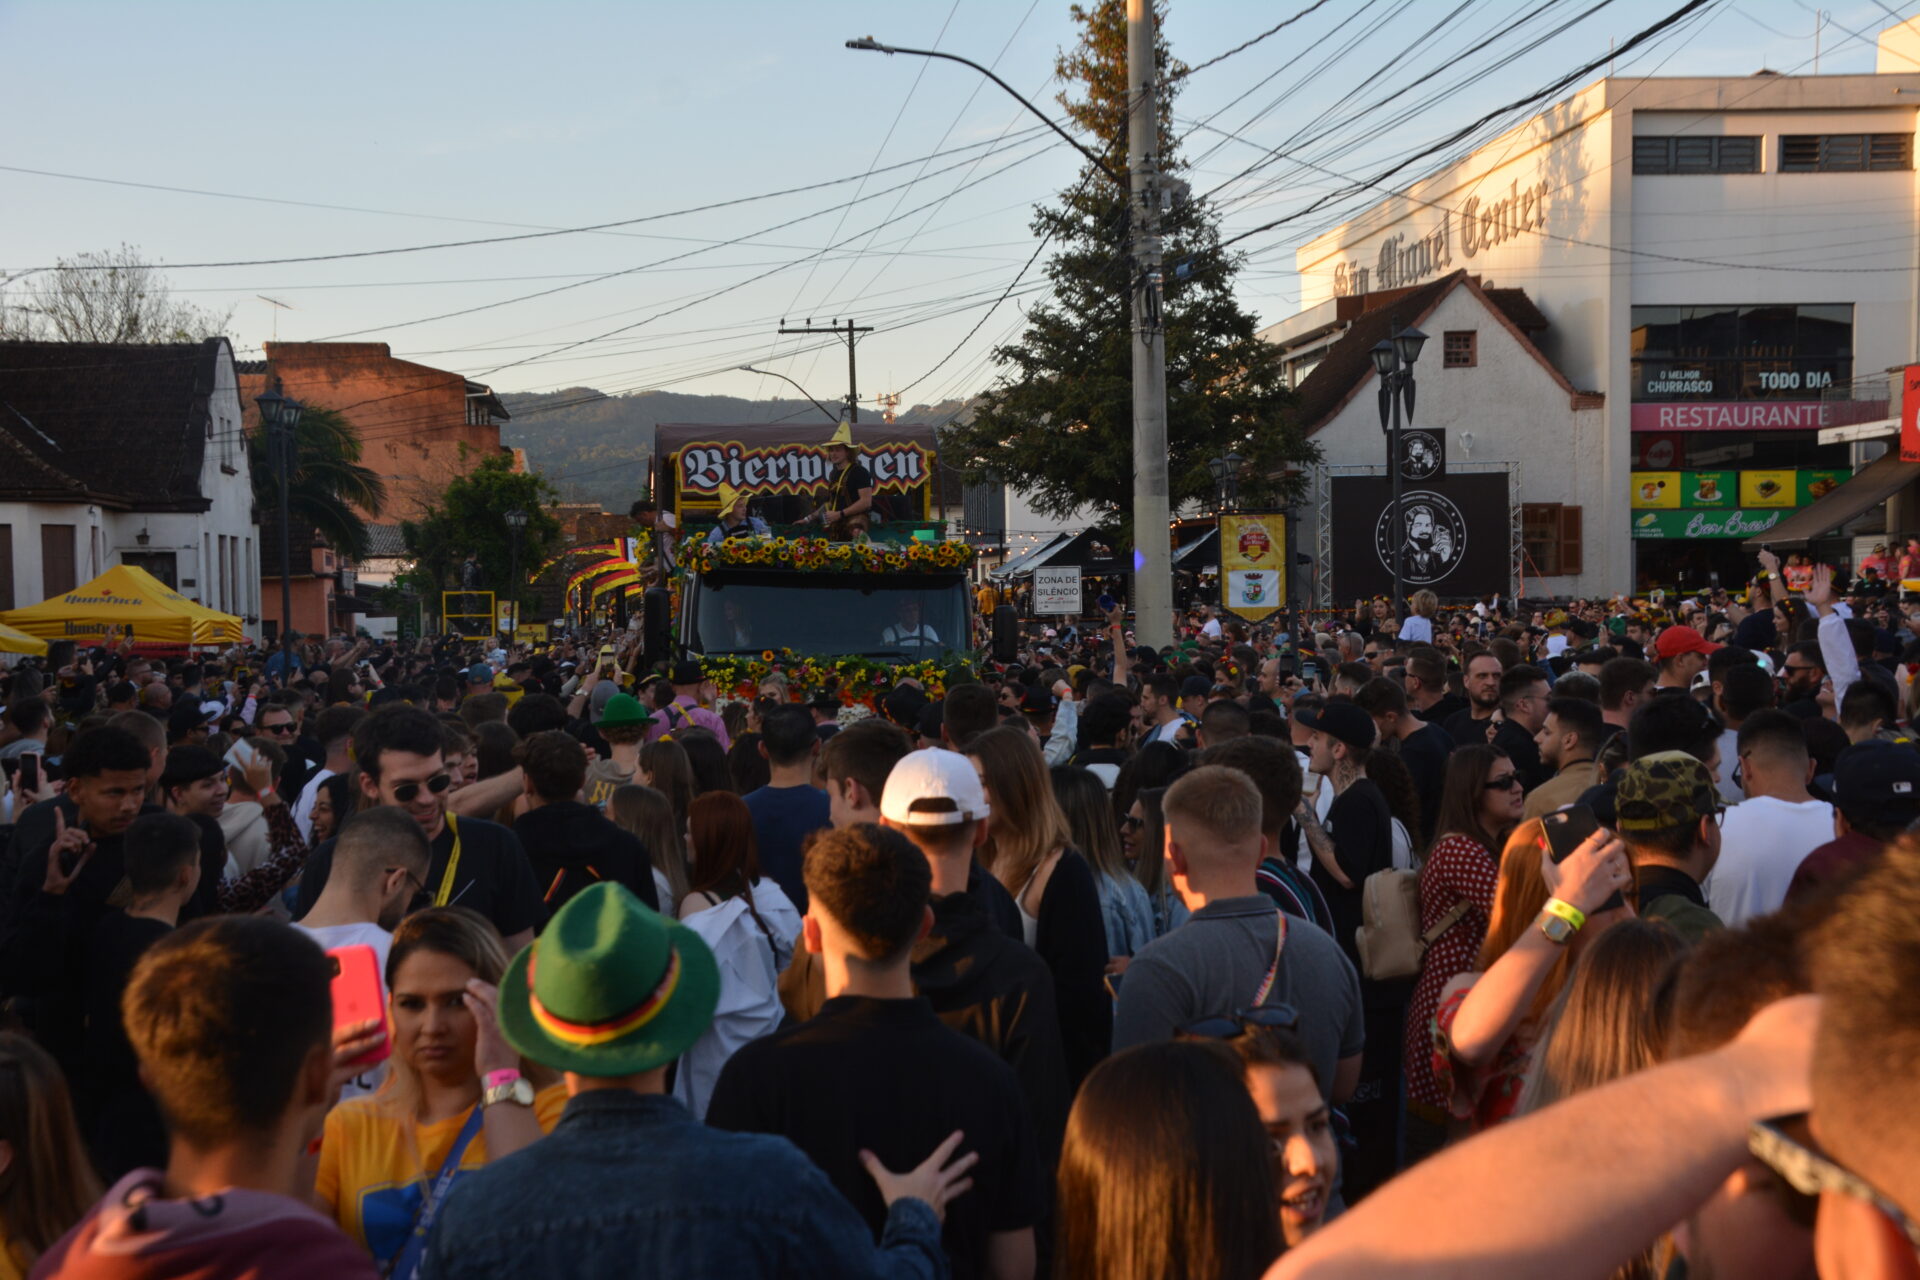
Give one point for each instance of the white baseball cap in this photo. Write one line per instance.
(933, 788)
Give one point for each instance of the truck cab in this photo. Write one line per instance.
(901, 616)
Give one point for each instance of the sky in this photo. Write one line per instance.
(299, 131)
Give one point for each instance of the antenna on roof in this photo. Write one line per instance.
(282, 306)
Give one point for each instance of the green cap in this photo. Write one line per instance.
(610, 988)
(621, 709)
(1666, 789)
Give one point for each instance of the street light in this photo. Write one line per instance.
(280, 418)
(1393, 361)
(768, 373)
(1226, 480)
(516, 525)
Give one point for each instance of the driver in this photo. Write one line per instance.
(908, 631)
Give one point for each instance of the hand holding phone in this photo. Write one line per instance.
(359, 999)
(1590, 872)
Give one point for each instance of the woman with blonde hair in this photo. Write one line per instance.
(1418, 628)
(46, 1180)
(457, 1096)
(1029, 851)
(648, 814)
(1606, 1023)
(1545, 914)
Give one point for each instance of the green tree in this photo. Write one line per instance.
(471, 516)
(1058, 423)
(326, 485)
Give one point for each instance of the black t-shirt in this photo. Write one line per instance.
(844, 489)
(493, 876)
(1450, 705)
(889, 1077)
(1465, 729)
(1425, 753)
(1361, 825)
(123, 1126)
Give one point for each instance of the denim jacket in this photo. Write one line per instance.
(631, 1184)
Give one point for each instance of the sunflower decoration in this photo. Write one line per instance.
(817, 554)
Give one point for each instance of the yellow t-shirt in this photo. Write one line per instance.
(375, 1166)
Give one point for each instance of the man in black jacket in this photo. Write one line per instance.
(568, 842)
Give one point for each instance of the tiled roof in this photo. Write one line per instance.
(123, 420)
(385, 540)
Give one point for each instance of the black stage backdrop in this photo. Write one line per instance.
(1456, 535)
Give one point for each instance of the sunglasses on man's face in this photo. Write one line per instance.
(408, 792)
(285, 726)
(1786, 1145)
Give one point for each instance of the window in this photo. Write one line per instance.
(164, 565)
(1731, 352)
(1696, 155)
(1461, 349)
(1551, 532)
(1845, 152)
(56, 560)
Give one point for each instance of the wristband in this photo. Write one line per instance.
(1574, 917)
(494, 1079)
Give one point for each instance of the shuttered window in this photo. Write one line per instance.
(1845, 152)
(56, 560)
(1553, 534)
(1688, 154)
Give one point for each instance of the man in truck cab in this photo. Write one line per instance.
(908, 632)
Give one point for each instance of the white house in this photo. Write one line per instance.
(125, 454)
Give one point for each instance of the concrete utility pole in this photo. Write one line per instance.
(852, 335)
(1153, 579)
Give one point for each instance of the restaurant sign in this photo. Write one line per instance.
(1705, 524)
(1757, 415)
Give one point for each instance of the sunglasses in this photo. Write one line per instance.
(1505, 783)
(285, 726)
(408, 792)
(1785, 1145)
(1273, 1017)
(1129, 822)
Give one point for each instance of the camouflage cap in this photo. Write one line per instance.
(1665, 789)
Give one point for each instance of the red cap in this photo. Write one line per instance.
(1675, 641)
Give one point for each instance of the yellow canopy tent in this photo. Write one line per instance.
(101, 611)
(12, 641)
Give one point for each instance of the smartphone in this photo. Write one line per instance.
(1309, 670)
(1566, 830)
(358, 996)
(30, 773)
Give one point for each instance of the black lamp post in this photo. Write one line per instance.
(1226, 480)
(1394, 362)
(516, 524)
(280, 418)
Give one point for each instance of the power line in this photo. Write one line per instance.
(1244, 45)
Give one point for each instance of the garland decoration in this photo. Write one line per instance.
(854, 680)
(817, 555)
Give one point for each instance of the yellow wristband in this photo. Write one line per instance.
(1565, 911)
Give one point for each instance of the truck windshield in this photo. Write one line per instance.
(891, 615)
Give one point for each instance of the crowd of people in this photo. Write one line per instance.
(1499, 941)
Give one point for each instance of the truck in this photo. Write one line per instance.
(845, 618)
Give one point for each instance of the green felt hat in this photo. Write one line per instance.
(610, 988)
(622, 709)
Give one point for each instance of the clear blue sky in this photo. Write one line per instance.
(439, 121)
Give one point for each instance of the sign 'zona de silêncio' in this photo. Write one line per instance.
(1483, 224)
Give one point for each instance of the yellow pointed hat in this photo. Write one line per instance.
(842, 435)
(728, 495)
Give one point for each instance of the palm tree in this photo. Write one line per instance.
(326, 482)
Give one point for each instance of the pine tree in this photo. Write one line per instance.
(1058, 424)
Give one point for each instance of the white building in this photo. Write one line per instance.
(1724, 267)
(125, 454)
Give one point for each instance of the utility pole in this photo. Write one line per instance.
(1153, 562)
(852, 335)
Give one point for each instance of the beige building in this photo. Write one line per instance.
(1725, 269)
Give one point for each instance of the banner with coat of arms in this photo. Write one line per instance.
(1253, 563)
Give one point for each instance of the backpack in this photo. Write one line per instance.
(1389, 939)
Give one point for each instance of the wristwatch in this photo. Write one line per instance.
(506, 1086)
(1559, 921)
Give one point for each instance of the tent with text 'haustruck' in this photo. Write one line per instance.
(12, 641)
(125, 599)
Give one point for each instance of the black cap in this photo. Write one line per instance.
(1342, 721)
(1037, 701)
(189, 764)
(1877, 784)
(687, 671)
(1195, 687)
(932, 717)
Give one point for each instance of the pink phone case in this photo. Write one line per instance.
(358, 996)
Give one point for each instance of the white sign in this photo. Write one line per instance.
(1056, 589)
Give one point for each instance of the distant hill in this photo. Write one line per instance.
(595, 447)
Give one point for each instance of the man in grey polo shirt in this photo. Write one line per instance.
(1230, 955)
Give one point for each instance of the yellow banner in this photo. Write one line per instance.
(1656, 490)
(1253, 564)
(1768, 488)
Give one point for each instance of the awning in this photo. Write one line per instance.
(125, 601)
(1872, 485)
(1200, 555)
(1025, 561)
(12, 641)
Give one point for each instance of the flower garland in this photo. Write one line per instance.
(853, 680)
(814, 555)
